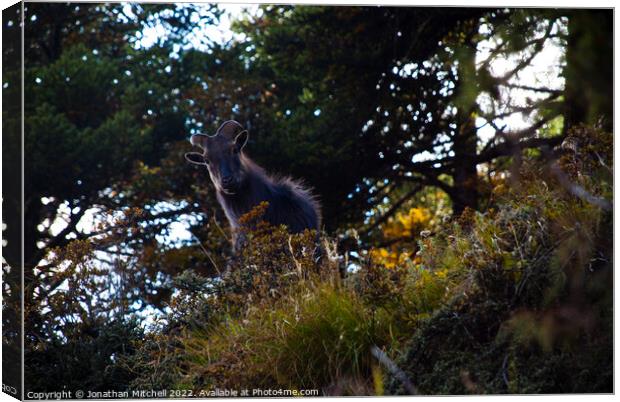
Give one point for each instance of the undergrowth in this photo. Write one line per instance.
(515, 299)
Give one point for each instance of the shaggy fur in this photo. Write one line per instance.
(241, 184)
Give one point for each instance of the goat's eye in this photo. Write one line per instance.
(235, 150)
(207, 161)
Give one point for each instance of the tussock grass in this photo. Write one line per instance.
(311, 338)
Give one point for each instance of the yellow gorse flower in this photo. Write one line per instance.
(405, 225)
(408, 224)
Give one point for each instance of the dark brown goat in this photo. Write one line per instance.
(241, 184)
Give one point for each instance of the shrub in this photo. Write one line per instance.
(530, 307)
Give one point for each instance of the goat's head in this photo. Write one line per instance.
(221, 154)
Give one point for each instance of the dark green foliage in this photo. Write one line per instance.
(589, 71)
(87, 361)
(321, 61)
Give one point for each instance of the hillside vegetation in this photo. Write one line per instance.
(517, 299)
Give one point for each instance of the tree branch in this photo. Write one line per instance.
(534, 89)
(391, 211)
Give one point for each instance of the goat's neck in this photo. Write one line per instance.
(256, 188)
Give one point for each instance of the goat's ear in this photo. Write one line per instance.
(195, 158)
(229, 129)
(199, 140)
(241, 139)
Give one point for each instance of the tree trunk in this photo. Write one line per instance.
(465, 174)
